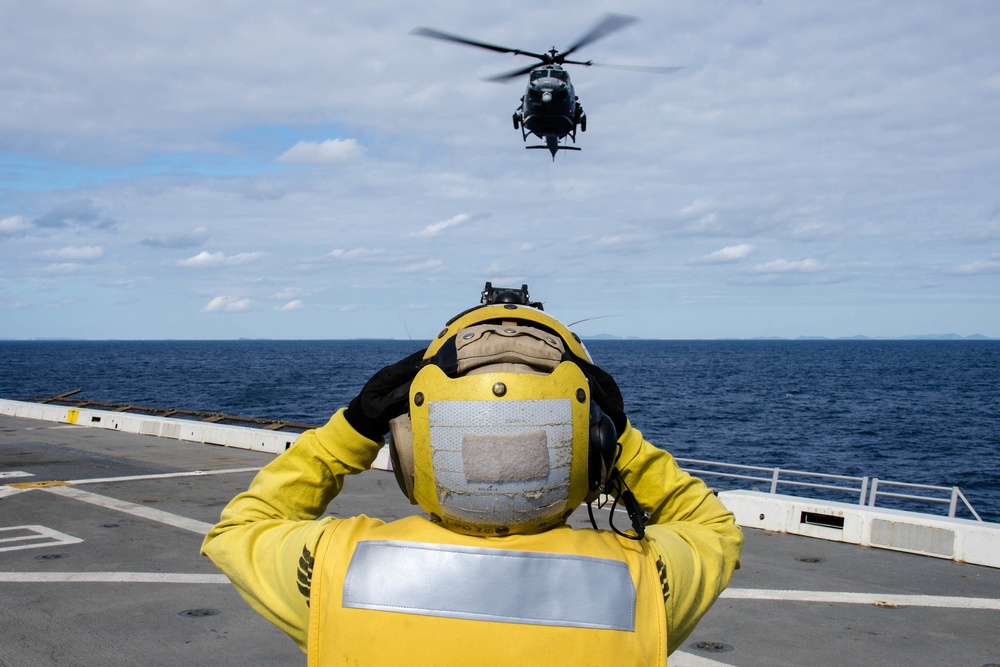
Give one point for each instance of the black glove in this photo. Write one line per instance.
(384, 397)
(605, 391)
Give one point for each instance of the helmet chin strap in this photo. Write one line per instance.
(618, 489)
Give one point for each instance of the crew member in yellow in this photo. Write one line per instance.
(499, 430)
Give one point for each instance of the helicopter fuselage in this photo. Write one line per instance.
(549, 109)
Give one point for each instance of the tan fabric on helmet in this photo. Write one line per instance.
(508, 343)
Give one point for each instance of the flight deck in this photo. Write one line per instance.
(99, 565)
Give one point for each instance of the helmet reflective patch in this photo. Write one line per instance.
(501, 463)
(511, 457)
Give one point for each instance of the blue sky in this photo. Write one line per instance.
(305, 170)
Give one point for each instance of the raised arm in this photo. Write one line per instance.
(694, 536)
(267, 535)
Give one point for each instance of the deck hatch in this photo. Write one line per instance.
(825, 520)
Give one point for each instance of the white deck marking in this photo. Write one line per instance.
(160, 516)
(11, 474)
(887, 599)
(111, 578)
(142, 511)
(679, 659)
(27, 537)
(165, 475)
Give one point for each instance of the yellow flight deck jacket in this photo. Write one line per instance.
(362, 591)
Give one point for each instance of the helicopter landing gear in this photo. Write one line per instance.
(517, 120)
(581, 116)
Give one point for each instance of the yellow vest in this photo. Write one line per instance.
(414, 593)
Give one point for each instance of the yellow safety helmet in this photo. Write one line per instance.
(502, 436)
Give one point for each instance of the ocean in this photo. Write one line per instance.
(924, 412)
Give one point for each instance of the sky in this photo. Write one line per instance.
(309, 170)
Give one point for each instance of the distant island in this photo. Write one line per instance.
(949, 336)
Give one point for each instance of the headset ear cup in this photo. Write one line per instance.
(603, 448)
(401, 454)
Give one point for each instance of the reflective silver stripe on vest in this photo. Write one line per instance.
(491, 585)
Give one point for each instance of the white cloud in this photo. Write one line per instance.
(708, 224)
(430, 266)
(785, 266)
(621, 240)
(436, 228)
(322, 152)
(74, 253)
(15, 224)
(65, 302)
(814, 231)
(356, 253)
(349, 308)
(696, 209)
(726, 255)
(12, 304)
(227, 304)
(63, 267)
(189, 239)
(215, 259)
(295, 304)
(991, 265)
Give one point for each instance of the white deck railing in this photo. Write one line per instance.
(867, 489)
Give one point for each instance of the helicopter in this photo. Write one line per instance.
(550, 108)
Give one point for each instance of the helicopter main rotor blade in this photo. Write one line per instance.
(609, 24)
(507, 76)
(437, 34)
(651, 69)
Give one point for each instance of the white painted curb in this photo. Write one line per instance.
(260, 440)
(964, 540)
(242, 437)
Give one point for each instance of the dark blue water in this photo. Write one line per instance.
(912, 411)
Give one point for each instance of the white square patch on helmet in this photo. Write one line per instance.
(501, 463)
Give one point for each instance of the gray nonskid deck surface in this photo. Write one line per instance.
(101, 573)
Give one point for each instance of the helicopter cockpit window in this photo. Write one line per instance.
(559, 74)
(539, 74)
